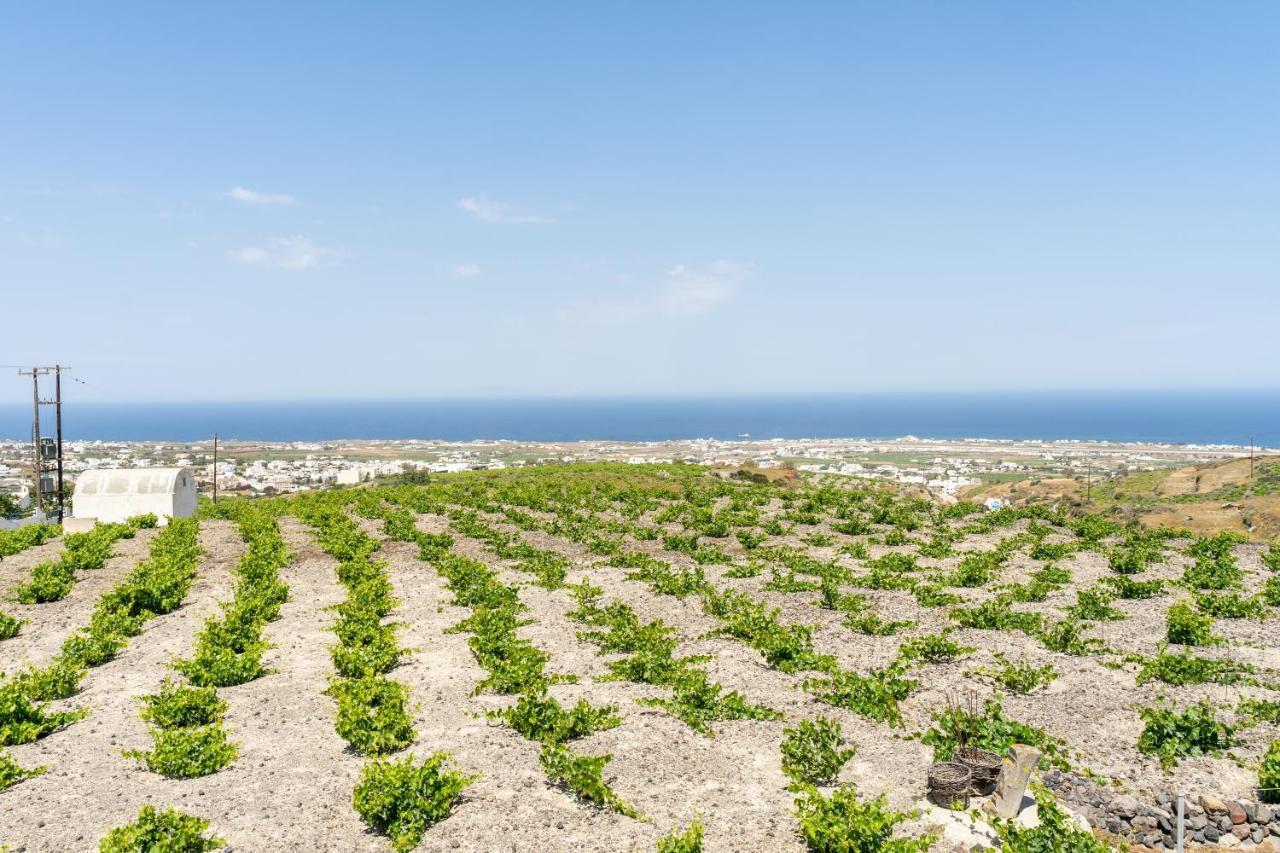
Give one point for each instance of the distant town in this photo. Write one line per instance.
(942, 467)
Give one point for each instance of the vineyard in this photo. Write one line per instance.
(615, 657)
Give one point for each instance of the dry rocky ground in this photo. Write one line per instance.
(290, 787)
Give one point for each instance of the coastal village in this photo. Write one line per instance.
(942, 467)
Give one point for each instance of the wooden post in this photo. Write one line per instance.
(215, 467)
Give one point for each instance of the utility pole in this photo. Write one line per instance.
(215, 467)
(57, 396)
(38, 453)
(1250, 459)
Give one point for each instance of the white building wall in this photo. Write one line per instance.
(110, 495)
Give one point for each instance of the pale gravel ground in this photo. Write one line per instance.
(1092, 708)
(290, 788)
(90, 786)
(48, 624)
(16, 568)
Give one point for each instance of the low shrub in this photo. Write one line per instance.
(402, 799)
(539, 717)
(11, 773)
(581, 774)
(1185, 668)
(1128, 588)
(842, 823)
(1067, 636)
(875, 695)
(179, 706)
(698, 702)
(1094, 605)
(187, 753)
(812, 753)
(1170, 735)
(169, 831)
(1229, 605)
(689, 841)
(932, 648)
(986, 727)
(1269, 774)
(373, 714)
(1184, 626)
(23, 720)
(1022, 677)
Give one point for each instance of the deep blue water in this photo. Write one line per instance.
(1191, 417)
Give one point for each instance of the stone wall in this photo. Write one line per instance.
(1209, 820)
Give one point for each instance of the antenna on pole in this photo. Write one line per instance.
(215, 467)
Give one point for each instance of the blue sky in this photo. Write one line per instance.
(241, 201)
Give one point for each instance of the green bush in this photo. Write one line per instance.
(1230, 605)
(28, 536)
(842, 823)
(1185, 668)
(932, 595)
(59, 680)
(1094, 605)
(22, 720)
(581, 774)
(187, 753)
(1021, 677)
(179, 706)
(932, 648)
(788, 648)
(1128, 588)
(373, 714)
(1067, 636)
(9, 626)
(11, 773)
(169, 831)
(1269, 774)
(689, 841)
(1254, 711)
(997, 615)
(539, 717)
(1184, 626)
(811, 751)
(52, 580)
(402, 799)
(987, 728)
(875, 695)
(1170, 735)
(698, 702)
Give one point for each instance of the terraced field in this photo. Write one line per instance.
(609, 658)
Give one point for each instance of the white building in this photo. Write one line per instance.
(114, 494)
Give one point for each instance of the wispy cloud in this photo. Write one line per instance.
(687, 291)
(288, 253)
(465, 271)
(498, 212)
(684, 291)
(249, 196)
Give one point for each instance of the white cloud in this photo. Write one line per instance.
(688, 291)
(684, 291)
(249, 196)
(497, 212)
(465, 270)
(288, 253)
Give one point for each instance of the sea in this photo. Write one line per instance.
(1205, 418)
